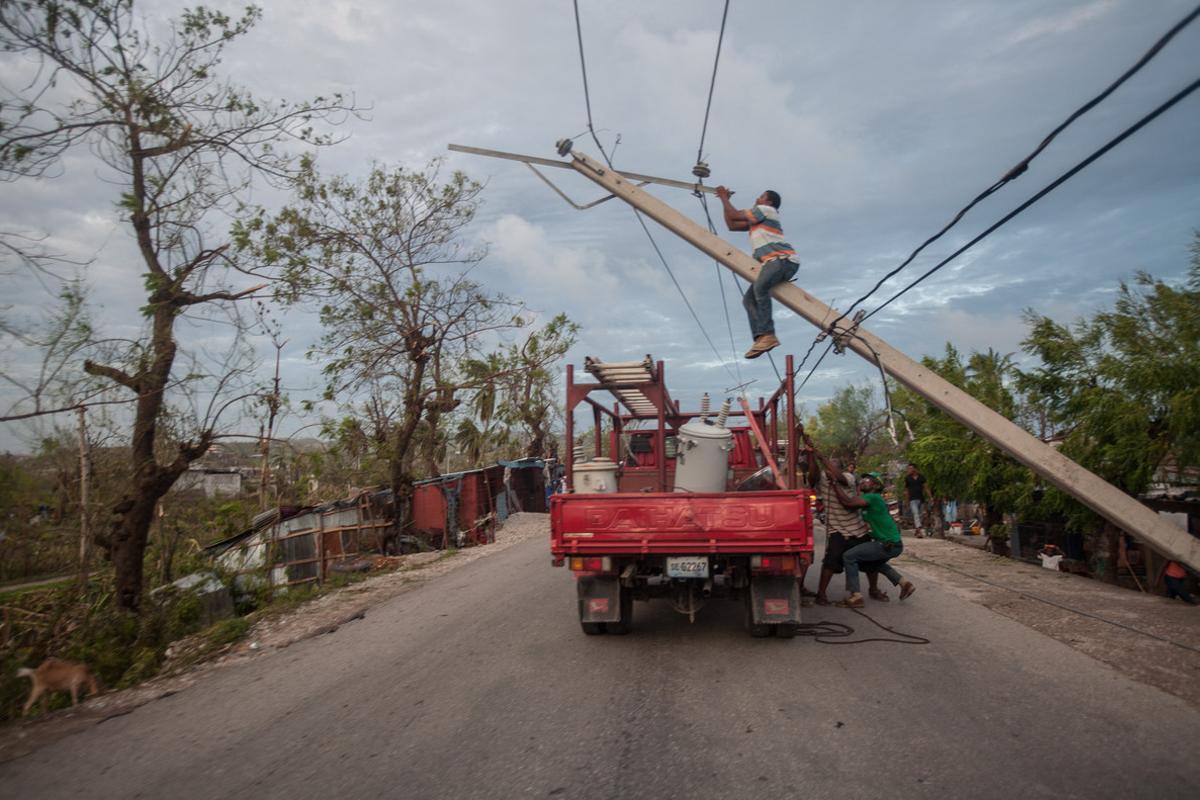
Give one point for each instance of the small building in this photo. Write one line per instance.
(213, 482)
(290, 546)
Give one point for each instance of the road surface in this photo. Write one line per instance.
(479, 684)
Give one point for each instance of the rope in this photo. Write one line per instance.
(1132, 129)
(825, 631)
(712, 84)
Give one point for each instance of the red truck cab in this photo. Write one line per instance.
(637, 538)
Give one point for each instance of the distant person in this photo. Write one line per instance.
(1051, 557)
(885, 543)
(1174, 574)
(844, 528)
(914, 488)
(949, 510)
(777, 260)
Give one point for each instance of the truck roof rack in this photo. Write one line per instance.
(637, 385)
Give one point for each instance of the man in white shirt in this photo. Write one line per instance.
(777, 259)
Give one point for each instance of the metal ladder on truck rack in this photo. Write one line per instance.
(1085, 486)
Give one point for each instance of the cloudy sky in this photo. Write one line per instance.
(874, 120)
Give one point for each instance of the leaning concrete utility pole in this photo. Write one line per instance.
(1088, 488)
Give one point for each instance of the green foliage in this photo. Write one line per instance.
(1123, 387)
(121, 649)
(20, 490)
(141, 98)
(227, 631)
(406, 329)
(849, 425)
(956, 461)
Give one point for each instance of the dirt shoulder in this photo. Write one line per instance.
(324, 614)
(1146, 637)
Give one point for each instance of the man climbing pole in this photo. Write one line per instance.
(776, 257)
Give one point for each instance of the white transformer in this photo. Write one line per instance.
(598, 476)
(702, 461)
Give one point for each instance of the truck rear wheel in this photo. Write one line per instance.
(592, 628)
(786, 630)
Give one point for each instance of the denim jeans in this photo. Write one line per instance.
(871, 551)
(915, 507)
(757, 299)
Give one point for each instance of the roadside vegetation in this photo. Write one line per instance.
(1119, 392)
(426, 369)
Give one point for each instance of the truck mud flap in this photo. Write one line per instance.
(599, 598)
(774, 599)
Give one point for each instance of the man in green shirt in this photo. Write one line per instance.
(885, 543)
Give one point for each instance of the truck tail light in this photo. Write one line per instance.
(774, 565)
(591, 564)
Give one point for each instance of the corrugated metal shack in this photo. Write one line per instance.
(525, 479)
(301, 544)
(460, 509)
(457, 509)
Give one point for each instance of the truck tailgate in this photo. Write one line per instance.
(681, 523)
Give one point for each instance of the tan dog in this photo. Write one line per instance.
(54, 675)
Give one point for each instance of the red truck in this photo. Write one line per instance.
(717, 520)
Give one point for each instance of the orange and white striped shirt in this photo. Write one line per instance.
(766, 234)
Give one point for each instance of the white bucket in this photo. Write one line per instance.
(598, 476)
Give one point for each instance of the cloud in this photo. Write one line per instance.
(875, 120)
(1058, 24)
(547, 269)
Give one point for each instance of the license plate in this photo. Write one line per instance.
(687, 566)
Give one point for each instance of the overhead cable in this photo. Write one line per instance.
(1132, 129)
(1023, 165)
(636, 213)
(814, 366)
(712, 84)
(587, 98)
(721, 283)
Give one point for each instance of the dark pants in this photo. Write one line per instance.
(856, 558)
(1176, 588)
(836, 545)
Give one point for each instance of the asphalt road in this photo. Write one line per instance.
(479, 684)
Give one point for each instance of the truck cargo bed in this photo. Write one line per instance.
(681, 523)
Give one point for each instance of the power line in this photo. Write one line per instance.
(1023, 165)
(1132, 129)
(587, 98)
(683, 296)
(721, 283)
(712, 84)
(814, 366)
(636, 213)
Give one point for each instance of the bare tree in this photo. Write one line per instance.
(182, 145)
(384, 261)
